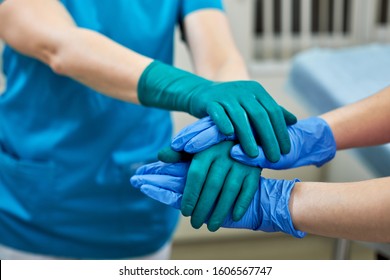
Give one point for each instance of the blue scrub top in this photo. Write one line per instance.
(67, 152)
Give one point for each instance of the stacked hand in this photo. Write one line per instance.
(268, 210)
(210, 178)
(243, 108)
(215, 184)
(312, 143)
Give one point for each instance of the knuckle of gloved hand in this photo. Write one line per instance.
(232, 189)
(215, 181)
(255, 87)
(189, 202)
(274, 109)
(195, 174)
(252, 84)
(259, 115)
(230, 105)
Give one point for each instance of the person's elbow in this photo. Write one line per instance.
(56, 58)
(57, 51)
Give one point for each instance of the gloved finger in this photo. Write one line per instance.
(243, 129)
(261, 161)
(289, 118)
(175, 169)
(210, 192)
(196, 176)
(168, 155)
(206, 139)
(167, 182)
(231, 189)
(165, 196)
(244, 199)
(189, 132)
(238, 154)
(220, 118)
(280, 128)
(252, 218)
(263, 129)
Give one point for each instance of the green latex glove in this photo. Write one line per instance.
(240, 107)
(215, 183)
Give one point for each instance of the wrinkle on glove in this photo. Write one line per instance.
(199, 136)
(268, 210)
(312, 143)
(241, 107)
(215, 183)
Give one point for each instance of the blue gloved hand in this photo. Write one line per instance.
(215, 184)
(199, 136)
(268, 211)
(312, 143)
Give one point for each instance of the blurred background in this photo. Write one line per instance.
(269, 33)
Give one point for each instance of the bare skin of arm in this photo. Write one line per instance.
(356, 210)
(364, 123)
(214, 53)
(44, 30)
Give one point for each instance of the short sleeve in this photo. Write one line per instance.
(189, 6)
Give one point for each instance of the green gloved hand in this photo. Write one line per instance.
(215, 183)
(235, 107)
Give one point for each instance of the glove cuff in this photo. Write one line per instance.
(275, 197)
(283, 212)
(166, 87)
(318, 146)
(328, 143)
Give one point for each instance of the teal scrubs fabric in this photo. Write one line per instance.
(67, 152)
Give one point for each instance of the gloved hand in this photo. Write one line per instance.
(215, 182)
(312, 143)
(199, 136)
(234, 106)
(268, 211)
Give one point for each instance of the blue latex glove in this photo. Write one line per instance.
(312, 143)
(267, 212)
(215, 183)
(199, 136)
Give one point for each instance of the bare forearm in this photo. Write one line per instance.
(232, 70)
(363, 123)
(44, 30)
(110, 68)
(357, 211)
(213, 49)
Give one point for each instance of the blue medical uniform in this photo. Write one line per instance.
(67, 152)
